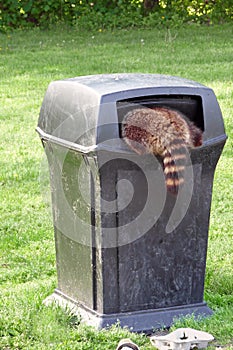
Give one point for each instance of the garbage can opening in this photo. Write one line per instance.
(166, 128)
(190, 106)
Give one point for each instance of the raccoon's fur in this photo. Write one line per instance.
(165, 132)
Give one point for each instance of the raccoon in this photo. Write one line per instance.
(163, 132)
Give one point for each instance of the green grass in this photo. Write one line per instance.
(28, 62)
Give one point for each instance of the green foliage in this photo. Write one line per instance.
(210, 11)
(111, 14)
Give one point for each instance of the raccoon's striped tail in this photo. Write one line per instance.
(174, 161)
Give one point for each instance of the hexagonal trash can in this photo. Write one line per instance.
(126, 250)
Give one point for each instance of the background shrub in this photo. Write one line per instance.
(111, 14)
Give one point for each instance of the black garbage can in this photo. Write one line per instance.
(126, 250)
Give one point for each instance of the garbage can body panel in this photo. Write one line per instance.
(159, 268)
(73, 233)
(127, 250)
(156, 269)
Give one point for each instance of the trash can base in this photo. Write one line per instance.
(138, 321)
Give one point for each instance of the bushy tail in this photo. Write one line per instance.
(174, 161)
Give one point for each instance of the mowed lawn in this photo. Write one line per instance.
(29, 60)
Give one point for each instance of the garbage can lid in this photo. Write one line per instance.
(112, 83)
(80, 112)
